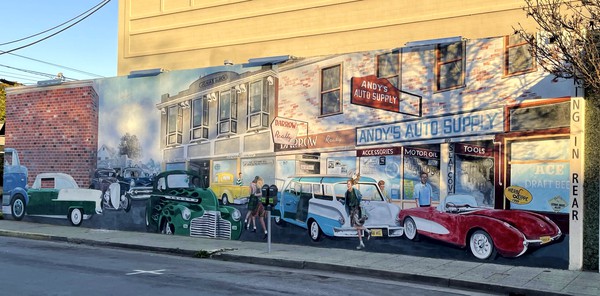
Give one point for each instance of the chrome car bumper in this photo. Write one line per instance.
(240, 201)
(389, 231)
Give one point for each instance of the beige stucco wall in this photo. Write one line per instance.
(182, 34)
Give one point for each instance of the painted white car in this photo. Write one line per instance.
(57, 195)
(317, 203)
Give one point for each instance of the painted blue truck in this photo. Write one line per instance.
(15, 184)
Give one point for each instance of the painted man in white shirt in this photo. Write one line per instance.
(423, 192)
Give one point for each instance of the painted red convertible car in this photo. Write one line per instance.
(487, 232)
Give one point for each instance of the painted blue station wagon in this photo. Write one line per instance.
(317, 203)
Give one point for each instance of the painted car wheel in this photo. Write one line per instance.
(17, 207)
(224, 199)
(410, 229)
(125, 203)
(75, 217)
(314, 231)
(167, 228)
(482, 246)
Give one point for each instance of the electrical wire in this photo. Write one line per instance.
(56, 65)
(58, 26)
(18, 75)
(36, 72)
(60, 31)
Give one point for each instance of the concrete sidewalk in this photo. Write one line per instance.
(486, 276)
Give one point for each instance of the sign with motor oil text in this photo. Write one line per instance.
(466, 124)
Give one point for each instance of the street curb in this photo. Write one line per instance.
(298, 264)
(389, 275)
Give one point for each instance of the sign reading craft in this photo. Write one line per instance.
(379, 93)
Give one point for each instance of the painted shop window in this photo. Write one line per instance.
(541, 167)
(227, 113)
(199, 119)
(258, 106)
(331, 90)
(421, 159)
(474, 171)
(388, 67)
(518, 56)
(174, 125)
(540, 117)
(450, 66)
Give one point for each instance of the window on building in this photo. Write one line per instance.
(258, 106)
(199, 119)
(174, 125)
(539, 117)
(388, 67)
(331, 90)
(227, 113)
(450, 66)
(518, 56)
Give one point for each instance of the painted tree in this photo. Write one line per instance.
(130, 146)
(567, 45)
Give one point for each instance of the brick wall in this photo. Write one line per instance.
(55, 129)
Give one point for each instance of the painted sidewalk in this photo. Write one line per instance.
(486, 276)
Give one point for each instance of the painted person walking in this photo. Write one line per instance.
(252, 204)
(357, 220)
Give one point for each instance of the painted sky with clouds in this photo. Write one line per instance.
(128, 105)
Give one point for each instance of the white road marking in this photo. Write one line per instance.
(138, 271)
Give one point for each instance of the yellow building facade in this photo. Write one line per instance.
(183, 34)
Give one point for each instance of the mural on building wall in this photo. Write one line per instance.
(431, 155)
(542, 168)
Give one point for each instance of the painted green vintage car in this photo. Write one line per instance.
(57, 195)
(178, 205)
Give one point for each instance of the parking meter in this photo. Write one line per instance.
(269, 195)
(265, 194)
(273, 195)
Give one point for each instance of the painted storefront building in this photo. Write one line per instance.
(476, 116)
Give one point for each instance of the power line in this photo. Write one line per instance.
(31, 36)
(21, 76)
(56, 65)
(51, 35)
(35, 72)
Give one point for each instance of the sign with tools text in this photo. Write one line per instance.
(285, 131)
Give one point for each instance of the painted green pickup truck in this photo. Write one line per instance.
(229, 193)
(178, 206)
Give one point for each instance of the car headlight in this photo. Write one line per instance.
(341, 220)
(186, 214)
(236, 215)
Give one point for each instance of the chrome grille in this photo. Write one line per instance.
(210, 225)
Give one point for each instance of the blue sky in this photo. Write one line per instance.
(88, 46)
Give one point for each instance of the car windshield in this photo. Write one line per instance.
(132, 173)
(368, 191)
(178, 181)
(8, 159)
(106, 174)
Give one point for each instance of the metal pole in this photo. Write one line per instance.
(269, 228)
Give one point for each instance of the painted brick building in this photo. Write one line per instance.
(55, 129)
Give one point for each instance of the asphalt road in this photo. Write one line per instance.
(551, 256)
(31, 267)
